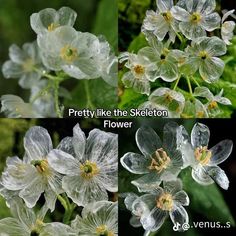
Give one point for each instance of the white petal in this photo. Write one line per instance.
(67, 16)
(164, 5)
(227, 31)
(182, 198)
(172, 186)
(147, 140)
(12, 227)
(200, 175)
(58, 229)
(169, 71)
(227, 14)
(180, 14)
(63, 162)
(200, 135)
(66, 145)
(135, 163)
(203, 92)
(191, 31)
(12, 70)
(37, 143)
(211, 22)
(17, 55)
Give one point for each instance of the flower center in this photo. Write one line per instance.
(164, 54)
(35, 229)
(89, 169)
(68, 53)
(165, 202)
(34, 233)
(167, 16)
(168, 97)
(160, 160)
(53, 26)
(139, 70)
(200, 114)
(28, 65)
(212, 105)
(203, 155)
(42, 166)
(195, 18)
(103, 231)
(203, 55)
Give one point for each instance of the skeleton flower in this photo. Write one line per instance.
(166, 99)
(140, 74)
(227, 28)
(22, 64)
(27, 223)
(98, 219)
(160, 160)
(212, 105)
(205, 161)
(93, 167)
(33, 176)
(203, 56)
(196, 17)
(49, 19)
(161, 22)
(162, 202)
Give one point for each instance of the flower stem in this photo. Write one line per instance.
(56, 99)
(89, 100)
(195, 81)
(176, 83)
(40, 93)
(63, 202)
(189, 86)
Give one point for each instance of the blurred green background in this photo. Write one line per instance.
(207, 203)
(96, 16)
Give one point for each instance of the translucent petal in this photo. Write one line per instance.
(219, 176)
(37, 143)
(227, 30)
(227, 14)
(215, 46)
(211, 22)
(221, 151)
(172, 187)
(135, 222)
(129, 199)
(191, 31)
(30, 79)
(74, 72)
(180, 14)
(200, 175)
(151, 20)
(176, 160)
(142, 205)
(32, 192)
(147, 140)
(161, 28)
(154, 220)
(66, 145)
(179, 215)
(135, 163)
(109, 180)
(82, 191)
(12, 70)
(17, 55)
(182, 198)
(222, 100)
(67, 16)
(58, 229)
(211, 69)
(164, 5)
(190, 65)
(15, 229)
(169, 71)
(139, 85)
(203, 92)
(200, 135)
(63, 162)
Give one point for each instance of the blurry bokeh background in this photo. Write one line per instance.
(95, 16)
(207, 203)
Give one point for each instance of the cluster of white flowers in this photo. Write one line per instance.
(80, 168)
(190, 21)
(59, 53)
(160, 164)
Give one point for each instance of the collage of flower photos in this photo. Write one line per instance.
(117, 117)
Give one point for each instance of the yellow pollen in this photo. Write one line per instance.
(89, 169)
(35, 229)
(68, 53)
(42, 166)
(200, 114)
(212, 105)
(203, 155)
(168, 97)
(195, 18)
(102, 231)
(53, 26)
(165, 202)
(167, 16)
(160, 160)
(139, 70)
(203, 55)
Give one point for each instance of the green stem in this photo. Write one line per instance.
(179, 37)
(89, 100)
(189, 86)
(63, 202)
(56, 99)
(40, 93)
(176, 83)
(195, 81)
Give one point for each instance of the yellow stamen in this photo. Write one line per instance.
(53, 26)
(139, 70)
(68, 53)
(195, 18)
(203, 55)
(89, 169)
(165, 202)
(42, 167)
(203, 155)
(167, 16)
(212, 105)
(103, 231)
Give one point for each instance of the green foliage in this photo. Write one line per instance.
(206, 200)
(138, 43)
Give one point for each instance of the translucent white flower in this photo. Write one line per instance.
(203, 56)
(93, 167)
(165, 201)
(27, 223)
(227, 28)
(33, 176)
(140, 74)
(196, 17)
(14, 107)
(165, 60)
(161, 22)
(49, 19)
(205, 161)
(160, 160)
(166, 99)
(98, 219)
(22, 64)
(213, 101)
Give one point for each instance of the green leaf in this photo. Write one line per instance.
(106, 22)
(138, 43)
(206, 200)
(5, 211)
